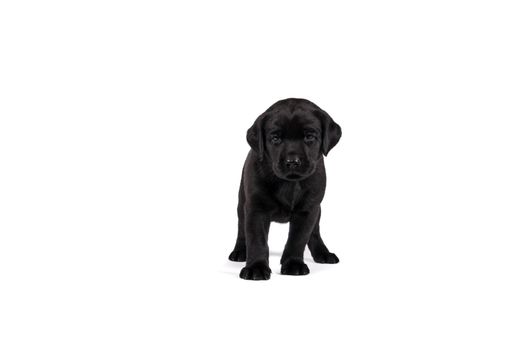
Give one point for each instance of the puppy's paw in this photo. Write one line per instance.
(258, 271)
(238, 255)
(326, 258)
(295, 268)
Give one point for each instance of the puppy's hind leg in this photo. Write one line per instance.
(239, 251)
(318, 249)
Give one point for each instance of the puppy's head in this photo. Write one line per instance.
(292, 135)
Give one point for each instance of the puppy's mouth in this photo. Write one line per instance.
(293, 176)
(298, 174)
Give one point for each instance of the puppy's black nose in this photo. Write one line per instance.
(292, 162)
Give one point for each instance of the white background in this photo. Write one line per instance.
(122, 138)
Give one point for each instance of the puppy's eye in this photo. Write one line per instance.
(309, 138)
(275, 139)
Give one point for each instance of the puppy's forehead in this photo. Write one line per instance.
(299, 119)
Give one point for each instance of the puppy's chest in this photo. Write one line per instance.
(289, 196)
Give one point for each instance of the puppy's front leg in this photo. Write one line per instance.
(301, 226)
(257, 225)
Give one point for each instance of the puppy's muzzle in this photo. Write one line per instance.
(293, 167)
(292, 163)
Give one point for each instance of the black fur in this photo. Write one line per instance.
(284, 180)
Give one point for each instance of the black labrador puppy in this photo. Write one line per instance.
(284, 180)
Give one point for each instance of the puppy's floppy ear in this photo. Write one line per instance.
(331, 131)
(255, 137)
